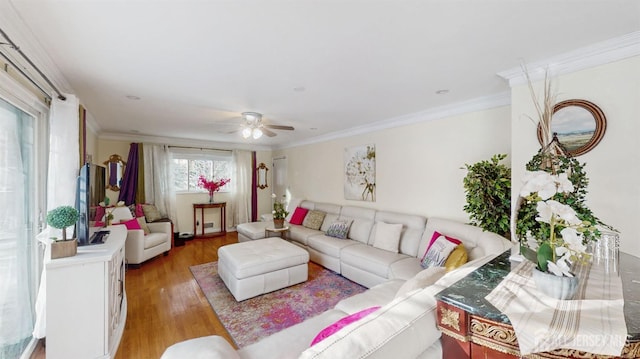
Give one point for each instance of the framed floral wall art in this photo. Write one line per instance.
(360, 173)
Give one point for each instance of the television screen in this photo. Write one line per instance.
(90, 192)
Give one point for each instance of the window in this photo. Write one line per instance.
(188, 166)
(19, 260)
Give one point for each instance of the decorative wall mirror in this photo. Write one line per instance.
(262, 176)
(579, 125)
(115, 171)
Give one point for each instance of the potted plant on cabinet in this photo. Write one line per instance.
(61, 218)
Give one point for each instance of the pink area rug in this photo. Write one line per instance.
(258, 317)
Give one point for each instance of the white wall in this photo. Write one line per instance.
(418, 167)
(613, 166)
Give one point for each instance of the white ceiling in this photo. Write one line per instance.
(196, 65)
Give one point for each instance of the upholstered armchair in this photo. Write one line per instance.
(139, 246)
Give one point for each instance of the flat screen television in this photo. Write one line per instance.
(91, 190)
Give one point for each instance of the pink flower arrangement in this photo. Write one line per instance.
(213, 185)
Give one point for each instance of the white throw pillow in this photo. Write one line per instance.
(387, 236)
(421, 280)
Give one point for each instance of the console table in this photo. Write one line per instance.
(473, 328)
(223, 219)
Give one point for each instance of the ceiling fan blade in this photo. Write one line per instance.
(269, 133)
(280, 127)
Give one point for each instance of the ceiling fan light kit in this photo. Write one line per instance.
(254, 127)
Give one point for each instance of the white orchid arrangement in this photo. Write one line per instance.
(553, 223)
(566, 241)
(279, 212)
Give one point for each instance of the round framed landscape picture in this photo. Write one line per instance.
(579, 125)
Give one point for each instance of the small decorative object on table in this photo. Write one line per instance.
(552, 222)
(61, 218)
(279, 213)
(212, 186)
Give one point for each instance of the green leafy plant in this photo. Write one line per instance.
(61, 218)
(488, 193)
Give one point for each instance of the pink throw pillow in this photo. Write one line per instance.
(324, 333)
(99, 224)
(139, 211)
(298, 215)
(131, 224)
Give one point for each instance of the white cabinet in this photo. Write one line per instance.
(86, 301)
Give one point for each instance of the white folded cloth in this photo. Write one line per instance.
(593, 321)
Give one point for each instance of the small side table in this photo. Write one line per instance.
(281, 232)
(223, 219)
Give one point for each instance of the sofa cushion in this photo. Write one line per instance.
(370, 259)
(405, 268)
(210, 347)
(457, 258)
(339, 229)
(477, 241)
(329, 245)
(343, 322)
(301, 234)
(289, 342)
(421, 280)
(363, 219)
(131, 224)
(438, 251)
(154, 239)
(412, 229)
(406, 326)
(298, 215)
(151, 212)
(387, 236)
(329, 219)
(380, 294)
(314, 219)
(291, 207)
(142, 221)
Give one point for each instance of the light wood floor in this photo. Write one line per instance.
(166, 304)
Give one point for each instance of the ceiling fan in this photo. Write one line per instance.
(254, 127)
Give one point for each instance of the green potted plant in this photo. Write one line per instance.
(61, 218)
(488, 193)
(279, 213)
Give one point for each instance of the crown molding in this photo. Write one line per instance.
(176, 141)
(600, 53)
(436, 113)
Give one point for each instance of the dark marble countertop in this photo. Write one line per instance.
(469, 292)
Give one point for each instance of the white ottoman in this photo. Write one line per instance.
(252, 230)
(261, 266)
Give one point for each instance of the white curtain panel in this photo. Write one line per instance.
(63, 154)
(158, 181)
(241, 197)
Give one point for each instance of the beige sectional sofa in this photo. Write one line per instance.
(404, 326)
(357, 258)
